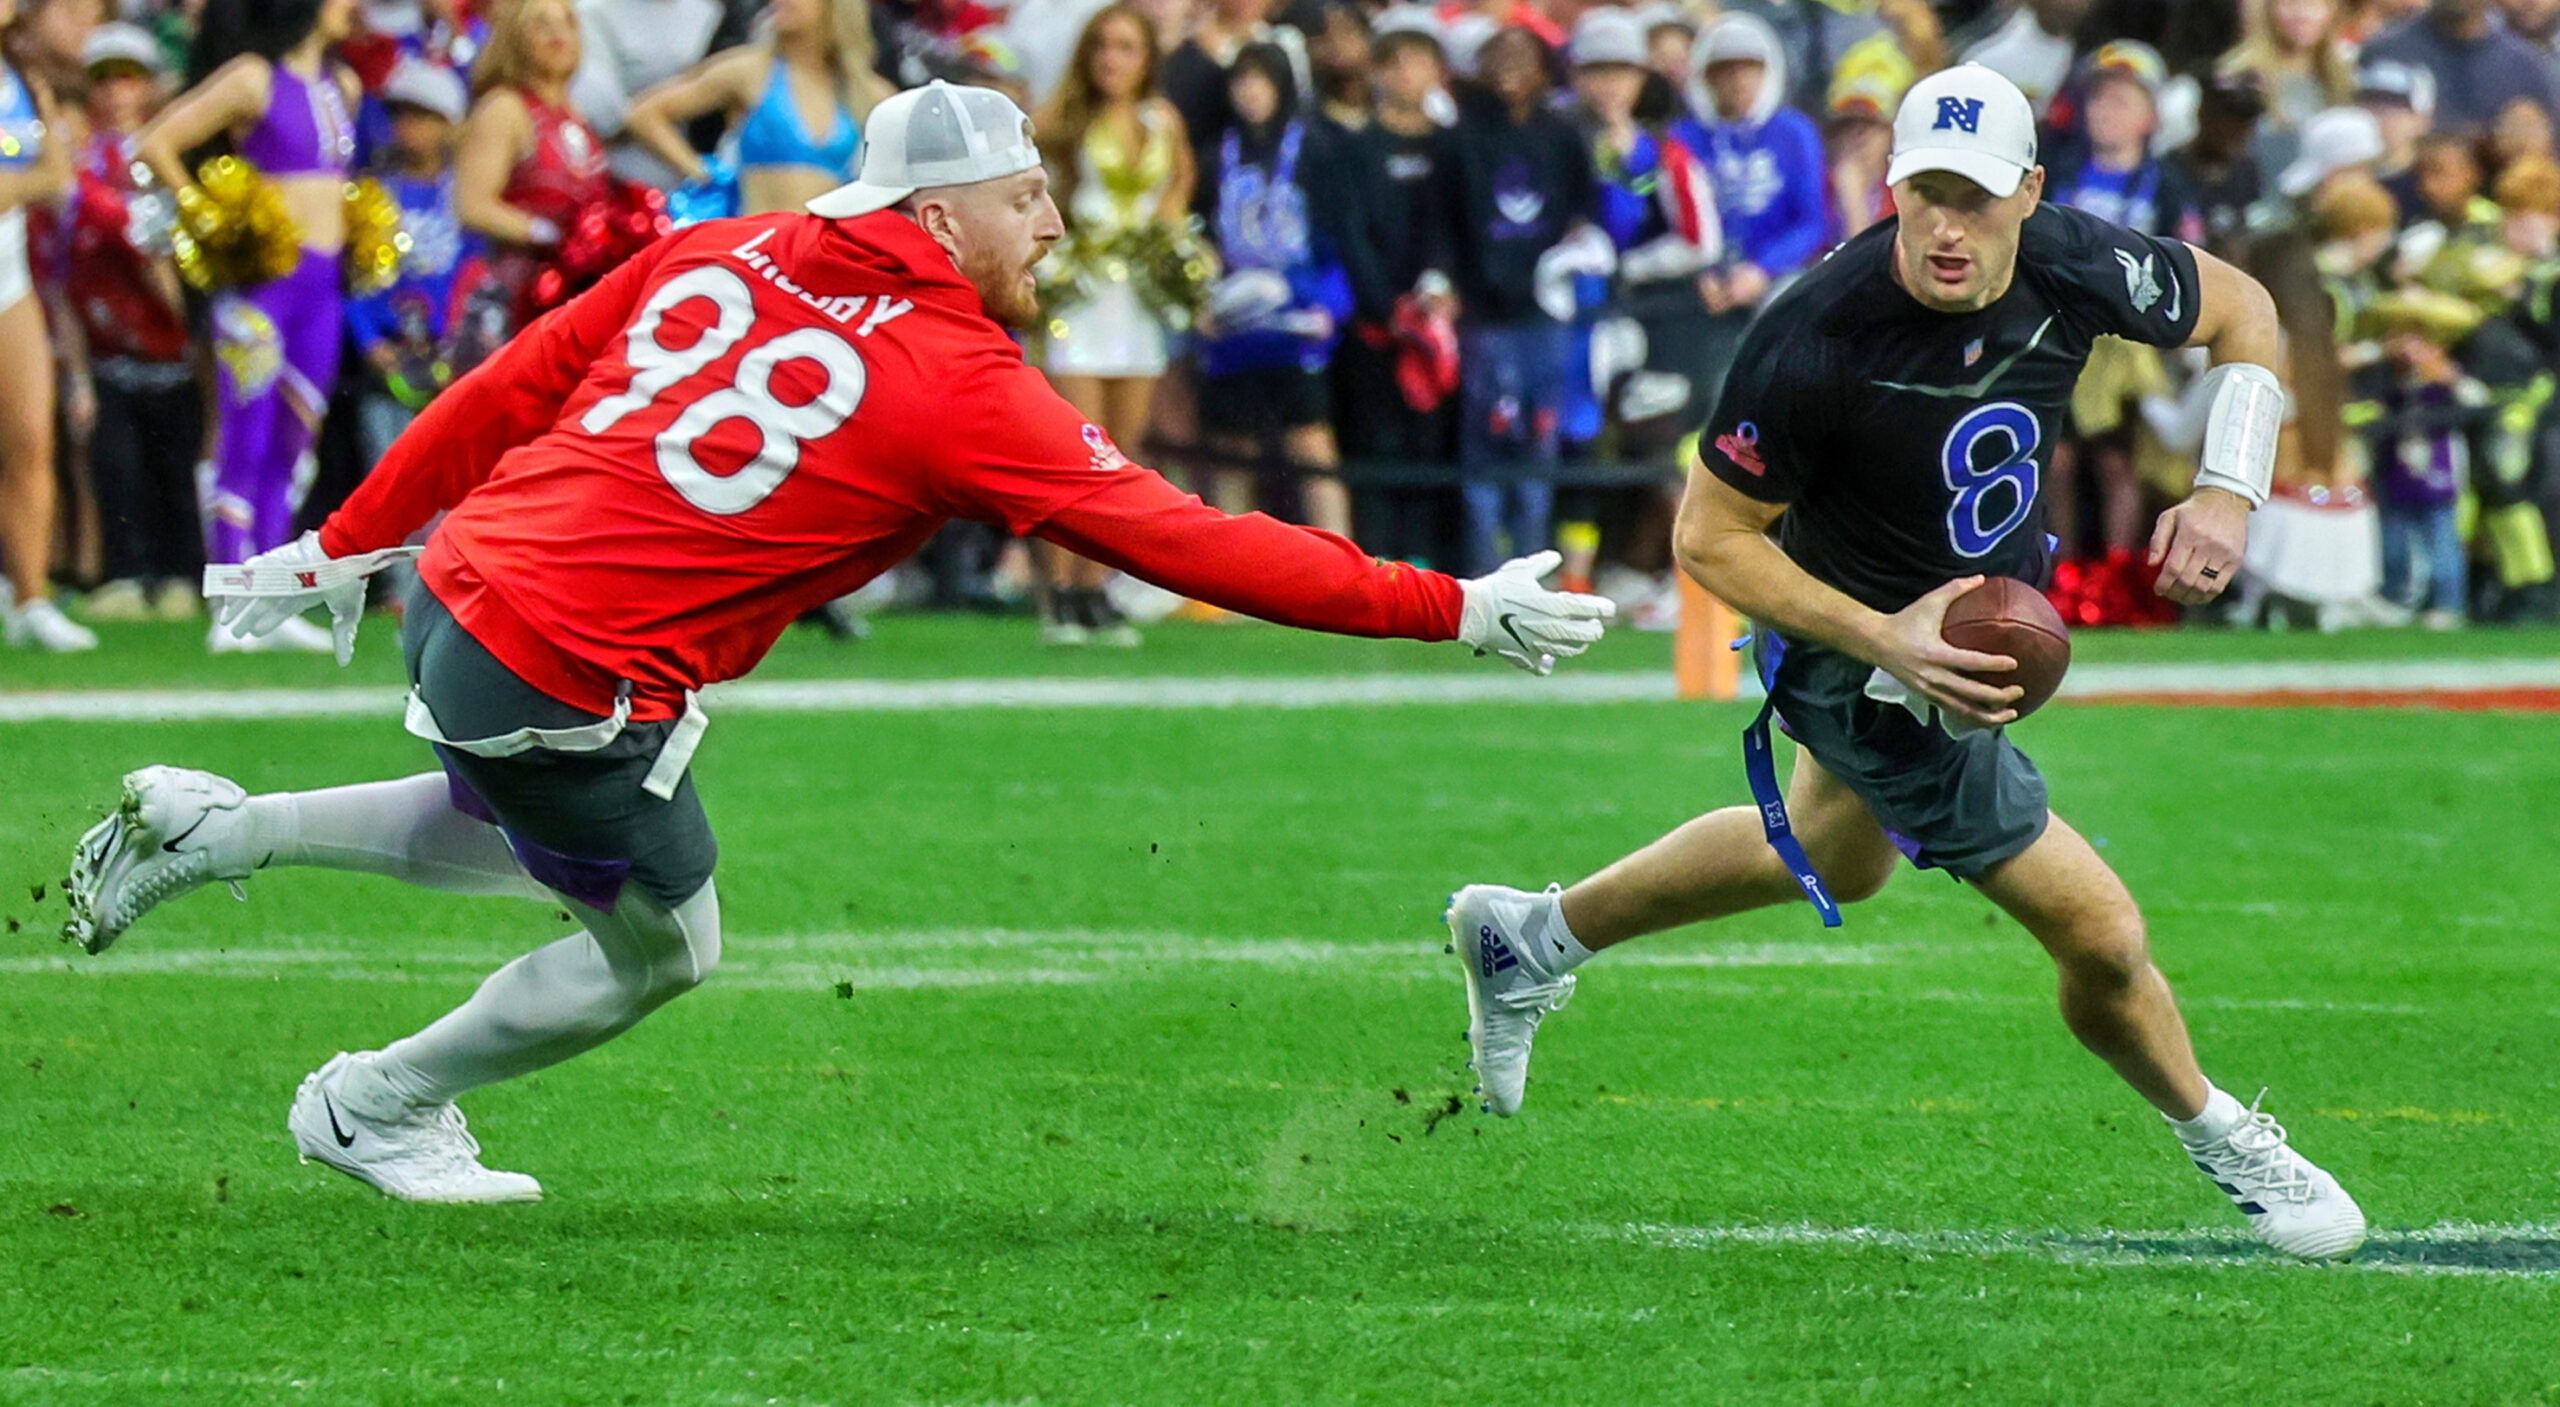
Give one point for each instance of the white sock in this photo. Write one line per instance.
(1556, 949)
(561, 1000)
(406, 829)
(2222, 1113)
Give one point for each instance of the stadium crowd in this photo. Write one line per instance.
(1460, 281)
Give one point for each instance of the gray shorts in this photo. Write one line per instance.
(578, 821)
(1957, 804)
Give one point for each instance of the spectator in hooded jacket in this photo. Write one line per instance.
(1520, 183)
(1765, 160)
(1764, 157)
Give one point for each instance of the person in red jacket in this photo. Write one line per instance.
(641, 493)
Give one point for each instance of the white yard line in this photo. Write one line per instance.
(957, 958)
(928, 958)
(1305, 691)
(2448, 1248)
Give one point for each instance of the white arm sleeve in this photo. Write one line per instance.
(2242, 417)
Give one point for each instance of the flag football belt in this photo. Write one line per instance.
(1760, 766)
(254, 579)
(664, 774)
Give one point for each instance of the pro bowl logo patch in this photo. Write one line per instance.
(2141, 284)
(1742, 446)
(245, 341)
(1106, 455)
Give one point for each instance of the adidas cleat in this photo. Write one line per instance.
(1508, 989)
(2292, 1204)
(159, 844)
(412, 1153)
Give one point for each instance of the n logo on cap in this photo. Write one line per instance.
(1958, 112)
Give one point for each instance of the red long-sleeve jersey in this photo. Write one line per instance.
(756, 416)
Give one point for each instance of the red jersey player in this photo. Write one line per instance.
(641, 493)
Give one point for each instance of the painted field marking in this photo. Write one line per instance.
(959, 958)
(2529, 1251)
(2517, 683)
(951, 958)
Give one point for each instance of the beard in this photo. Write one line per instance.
(1003, 289)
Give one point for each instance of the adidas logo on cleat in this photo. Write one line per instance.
(1492, 954)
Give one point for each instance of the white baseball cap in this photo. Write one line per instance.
(1608, 36)
(118, 42)
(2333, 139)
(1408, 18)
(1969, 120)
(936, 135)
(429, 87)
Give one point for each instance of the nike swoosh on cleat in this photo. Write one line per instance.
(170, 846)
(345, 1139)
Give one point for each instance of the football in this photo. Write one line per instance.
(2005, 616)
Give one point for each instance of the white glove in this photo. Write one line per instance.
(258, 595)
(1511, 615)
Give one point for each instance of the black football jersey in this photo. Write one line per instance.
(1910, 445)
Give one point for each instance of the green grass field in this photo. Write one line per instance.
(1110, 1056)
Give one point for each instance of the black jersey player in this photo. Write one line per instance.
(1889, 419)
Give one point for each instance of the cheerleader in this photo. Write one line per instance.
(262, 77)
(795, 101)
(1121, 168)
(526, 165)
(35, 167)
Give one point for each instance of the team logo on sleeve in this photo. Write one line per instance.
(1106, 455)
(2141, 282)
(1742, 446)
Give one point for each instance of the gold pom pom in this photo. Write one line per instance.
(233, 230)
(375, 241)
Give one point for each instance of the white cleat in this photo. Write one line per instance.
(1509, 990)
(415, 1154)
(2293, 1205)
(160, 843)
(41, 625)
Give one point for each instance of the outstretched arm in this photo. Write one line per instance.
(1254, 564)
(1027, 459)
(2198, 544)
(508, 400)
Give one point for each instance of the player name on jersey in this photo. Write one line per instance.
(842, 308)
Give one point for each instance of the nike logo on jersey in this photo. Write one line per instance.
(1971, 390)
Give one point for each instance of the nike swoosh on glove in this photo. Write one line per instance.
(264, 592)
(1509, 614)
